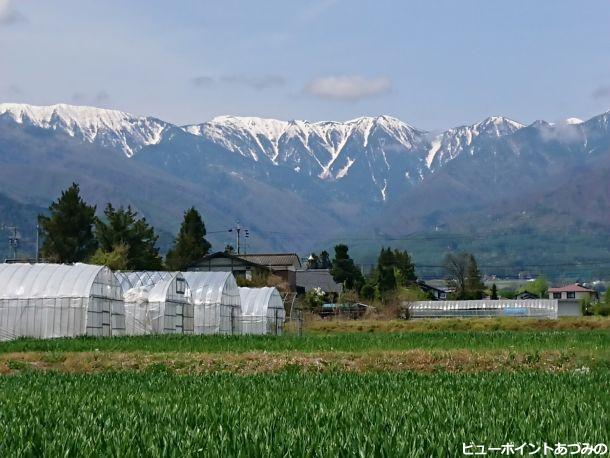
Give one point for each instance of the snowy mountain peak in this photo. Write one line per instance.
(453, 142)
(108, 127)
(573, 121)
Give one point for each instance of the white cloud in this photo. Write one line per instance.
(348, 88)
(253, 82)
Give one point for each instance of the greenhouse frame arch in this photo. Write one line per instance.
(262, 311)
(59, 300)
(216, 302)
(156, 302)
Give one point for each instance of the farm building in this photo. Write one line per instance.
(216, 302)
(262, 311)
(156, 303)
(283, 265)
(540, 308)
(570, 297)
(59, 300)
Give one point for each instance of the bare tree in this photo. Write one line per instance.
(456, 271)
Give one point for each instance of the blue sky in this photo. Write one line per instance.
(433, 64)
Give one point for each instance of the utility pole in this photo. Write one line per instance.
(13, 241)
(37, 241)
(238, 230)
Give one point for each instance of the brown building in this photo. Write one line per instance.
(284, 265)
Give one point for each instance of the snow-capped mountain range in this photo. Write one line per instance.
(299, 181)
(389, 154)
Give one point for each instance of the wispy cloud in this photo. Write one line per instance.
(602, 92)
(8, 14)
(348, 88)
(100, 98)
(14, 89)
(253, 82)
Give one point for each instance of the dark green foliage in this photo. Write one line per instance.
(321, 261)
(68, 231)
(330, 414)
(190, 245)
(122, 226)
(367, 291)
(474, 284)
(463, 276)
(494, 292)
(344, 270)
(313, 262)
(325, 262)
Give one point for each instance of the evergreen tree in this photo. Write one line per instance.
(386, 275)
(190, 245)
(229, 249)
(313, 262)
(115, 259)
(68, 231)
(344, 270)
(494, 292)
(474, 284)
(325, 262)
(405, 270)
(122, 226)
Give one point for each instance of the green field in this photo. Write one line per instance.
(330, 393)
(293, 414)
(351, 342)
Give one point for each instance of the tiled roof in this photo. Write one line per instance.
(317, 278)
(574, 288)
(273, 259)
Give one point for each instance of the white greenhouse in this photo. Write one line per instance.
(156, 303)
(540, 308)
(262, 311)
(59, 300)
(215, 297)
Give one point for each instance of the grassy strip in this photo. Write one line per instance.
(594, 341)
(295, 414)
(318, 325)
(454, 361)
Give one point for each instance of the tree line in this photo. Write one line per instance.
(395, 270)
(121, 239)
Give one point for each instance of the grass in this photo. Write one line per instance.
(295, 414)
(346, 342)
(318, 325)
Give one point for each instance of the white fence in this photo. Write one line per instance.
(539, 308)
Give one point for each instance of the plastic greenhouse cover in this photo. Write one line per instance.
(256, 301)
(209, 287)
(21, 280)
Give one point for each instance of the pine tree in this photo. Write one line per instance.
(405, 270)
(325, 262)
(68, 231)
(122, 226)
(386, 275)
(190, 245)
(474, 284)
(494, 292)
(313, 262)
(344, 270)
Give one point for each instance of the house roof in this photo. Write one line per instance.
(573, 288)
(317, 278)
(273, 260)
(225, 255)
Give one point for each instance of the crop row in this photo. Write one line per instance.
(590, 341)
(294, 414)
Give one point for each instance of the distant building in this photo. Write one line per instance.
(569, 298)
(284, 265)
(436, 292)
(523, 295)
(574, 291)
(308, 279)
